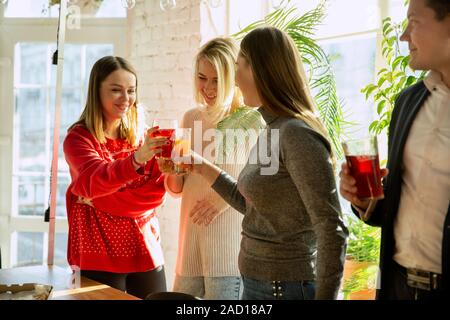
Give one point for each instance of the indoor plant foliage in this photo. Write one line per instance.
(392, 79)
(364, 241)
(363, 249)
(321, 77)
(243, 121)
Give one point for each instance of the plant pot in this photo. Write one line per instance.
(350, 267)
(368, 294)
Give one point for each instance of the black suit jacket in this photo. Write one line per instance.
(405, 111)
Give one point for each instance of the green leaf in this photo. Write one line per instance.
(396, 75)
(405, 63)
(381, 81)
(384, 70)
(373, 125)
(388, 31)
(411, 80)
(397, 61)
(369, 89)
(380, 106)
(401, 83)
(389, 77)
(386, 26)
(240, 121)
(392, 40)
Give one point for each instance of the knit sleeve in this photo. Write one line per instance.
(306, 156)
(232, 152)
(133, 202)
(93, 176)
(226, 187)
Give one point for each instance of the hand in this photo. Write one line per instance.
(199, 165)
(204, 212)
(196, 163)
(150, 147)
(348, 190)
(166, 166)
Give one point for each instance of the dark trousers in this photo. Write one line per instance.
(398, 289)
(138, 284)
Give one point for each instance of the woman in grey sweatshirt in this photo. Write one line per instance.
(293, 238)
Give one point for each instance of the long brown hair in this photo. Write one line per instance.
(280, 78)
(92, 115)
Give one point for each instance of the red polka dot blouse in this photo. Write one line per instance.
(110, 206)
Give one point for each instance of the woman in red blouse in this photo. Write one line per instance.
(116, 185)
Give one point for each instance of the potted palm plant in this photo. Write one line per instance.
(301, 28)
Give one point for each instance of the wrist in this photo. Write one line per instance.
(174, 183)
(210, 172)
(136, 162)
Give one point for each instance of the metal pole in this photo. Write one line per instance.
(57, 124)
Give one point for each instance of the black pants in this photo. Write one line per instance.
(398, 289)
(138, 284)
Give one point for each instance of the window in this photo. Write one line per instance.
(34, 114)
(27, 96)
(34, 88)
(30, 248)
(242, 13)
(41, 9)
(353, 61)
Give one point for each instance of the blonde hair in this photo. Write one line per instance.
(280, 78)
(222, 54)
(92, 115)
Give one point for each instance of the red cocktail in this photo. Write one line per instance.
(166, 128)
(170, 134)
(364, 165)
(366, 171)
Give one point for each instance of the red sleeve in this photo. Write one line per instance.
(134, 202)
(93, 176)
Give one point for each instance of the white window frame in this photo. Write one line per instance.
(383, 9)
(13, 31)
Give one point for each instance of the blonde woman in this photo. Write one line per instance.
(210, 230)
(116, 184)
(293, 238)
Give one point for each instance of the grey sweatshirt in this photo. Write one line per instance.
(292, 228)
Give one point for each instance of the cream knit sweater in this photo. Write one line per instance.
(208, 251)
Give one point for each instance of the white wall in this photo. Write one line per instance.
(162, 46)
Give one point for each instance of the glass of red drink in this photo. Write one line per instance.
(167, 128)
(363, 162)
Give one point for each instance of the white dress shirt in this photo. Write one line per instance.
(425, 193)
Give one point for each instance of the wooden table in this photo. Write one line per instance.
(60, 279)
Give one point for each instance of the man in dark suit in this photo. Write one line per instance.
(414, 214)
